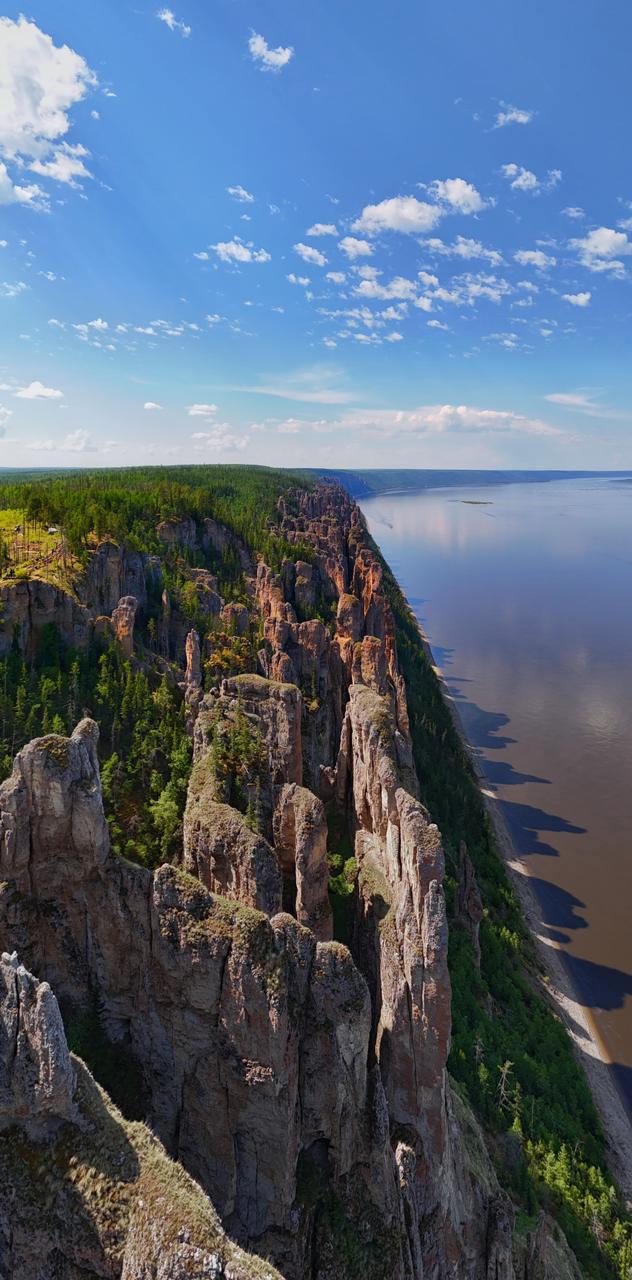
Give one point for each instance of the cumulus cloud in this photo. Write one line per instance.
(151, 404)
(266, 58)
(10, 289)
(219, 438)
(336, 277)
(236, 250)
(201, 410)
(37, 391)
(240, 193)
(534, 258)
(294, 279)
(354, 248)
(78, 441)
(169, 18)
(578, 299)
(323, 229)
(399, 287)
(602, 250)
(438, 419)
(400, 213)
(521, 179)
(17, 193)
(574, 212)
(40, 84)
(460, 195)
(309, 254)
(512, 115)
(463, 248)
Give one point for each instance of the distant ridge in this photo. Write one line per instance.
(366, 483)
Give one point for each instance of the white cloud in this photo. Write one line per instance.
(458, 194)
(303, 280)
(512, 115)
(77, 441)
(169, 18)
(240, 193)
(399, 287)
(151, 404)
(574, 400)
(309, 254)
(37, 391)
(5, 414)
(394, 336)
(437, 324)
(463, 248)
(219, 438)
(521, 179)
(323, 229)
(400, 213)
(14, 193)
(65, 165)
(437, 419)
(39, 85)
(578, 299)
(336, 277)
(573, 212)
(12, 290)
(602, 250)
(267, 58)
(41, 446)
(236, 251)
(534, 258)
(354, 248)
(201, 410)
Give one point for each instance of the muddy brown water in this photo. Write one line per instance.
(525, 594)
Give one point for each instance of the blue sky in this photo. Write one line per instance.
(342, 234)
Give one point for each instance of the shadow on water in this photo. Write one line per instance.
(526, 821)
(558, 908)
(598, 986)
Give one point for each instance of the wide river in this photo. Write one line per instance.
(525, 594)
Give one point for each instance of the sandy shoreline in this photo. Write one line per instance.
(589, 1048)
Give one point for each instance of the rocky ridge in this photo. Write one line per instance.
(302, 1084)
(83, 1192)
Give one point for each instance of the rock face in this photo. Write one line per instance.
(123, 619)
(301, 1082)
(300, 837)
(82, 1193)
(37, 1079)
(224, 853)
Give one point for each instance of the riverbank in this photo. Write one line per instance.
(556, 983)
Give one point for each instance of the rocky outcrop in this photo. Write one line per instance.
(254, 1038)
(302, 1083)
(123, 619)
(27, 607)
(300, 838)
(37, 1079)
(82, 1193)
(222, 851)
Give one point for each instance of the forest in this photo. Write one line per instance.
(511, 1058)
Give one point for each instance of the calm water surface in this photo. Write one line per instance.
(525, 593)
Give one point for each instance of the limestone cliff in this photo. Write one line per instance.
(82, 1192)
(302, 1083)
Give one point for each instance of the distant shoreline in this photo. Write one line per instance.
(559, 987)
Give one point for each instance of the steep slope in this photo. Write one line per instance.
(83, 1193)
(305, 1089)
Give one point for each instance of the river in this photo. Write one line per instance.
(525, 594)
